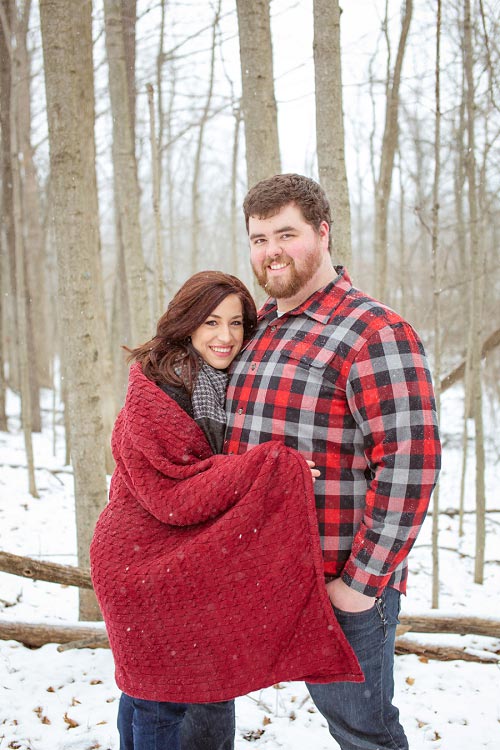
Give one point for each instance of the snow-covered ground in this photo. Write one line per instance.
(51, 700)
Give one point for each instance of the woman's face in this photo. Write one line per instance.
(218, 340)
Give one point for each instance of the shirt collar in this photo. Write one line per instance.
(320, 305)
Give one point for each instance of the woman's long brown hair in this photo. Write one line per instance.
(169, 357)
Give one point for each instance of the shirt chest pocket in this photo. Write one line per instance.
(312, 373)
(320, 355)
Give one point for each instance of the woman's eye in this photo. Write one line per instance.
(237, 323)
(211, 322)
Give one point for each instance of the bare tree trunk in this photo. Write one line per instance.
(129, 22)
(436, 278)
(67, 51)
(258, 101)
(235, 254)
(6, 206)
(30, 199)
(125, 174)
(403, 302)
(330, 124)
(195, 189)
(9, 309)
(169, 182)
(160, 60)
(159, 296)
(21, 291)
(476, 301)
(21, 337)
(389, 145)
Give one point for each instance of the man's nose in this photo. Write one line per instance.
(273, 248)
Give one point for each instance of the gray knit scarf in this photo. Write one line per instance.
(208, 399)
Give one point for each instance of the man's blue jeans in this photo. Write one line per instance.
(361, 716)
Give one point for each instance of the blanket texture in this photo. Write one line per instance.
(208, 568)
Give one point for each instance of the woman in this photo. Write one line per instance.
(207, 567)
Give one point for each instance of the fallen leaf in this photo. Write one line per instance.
(75, 702)
(292, 716)
(410, 680)
(70, 722)
(96, 682)
(266, 720)
(254, 734)
(423, 659)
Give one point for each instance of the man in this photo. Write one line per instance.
(344, 380)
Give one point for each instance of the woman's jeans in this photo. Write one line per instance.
(157, 725)
(360, 715)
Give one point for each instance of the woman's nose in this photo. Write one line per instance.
(224, 333)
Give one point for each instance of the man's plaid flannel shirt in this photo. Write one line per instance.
(345, 381)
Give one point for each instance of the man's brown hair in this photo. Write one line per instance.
(269, 196)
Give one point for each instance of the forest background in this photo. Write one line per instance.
(130, 132)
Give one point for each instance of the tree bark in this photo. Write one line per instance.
(125, 175)
(260, 113)
(7, 247)
(35, 265)
(476, 301)
(67, 51)
(44, 571)
(35, 635)
(330, 124)
(436, 281)
(459, 625)
(441, 653)
(159, 295)
(491, 343)
(20, 262)
(389, 145)
(195, 188)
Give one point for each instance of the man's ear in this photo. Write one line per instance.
(324, 233)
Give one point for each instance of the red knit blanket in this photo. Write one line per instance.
(208, 569)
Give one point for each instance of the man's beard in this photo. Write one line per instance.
(289, 286)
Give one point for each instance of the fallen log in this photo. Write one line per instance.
(457, 624)
(458, 372)
(443, 653)
(40, 570)
(89, 635)
(38, 634)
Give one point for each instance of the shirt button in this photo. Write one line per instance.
(253, 367)
(273, 328)
(240, 411)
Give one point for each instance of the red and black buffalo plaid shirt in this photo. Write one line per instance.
(345, 381)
